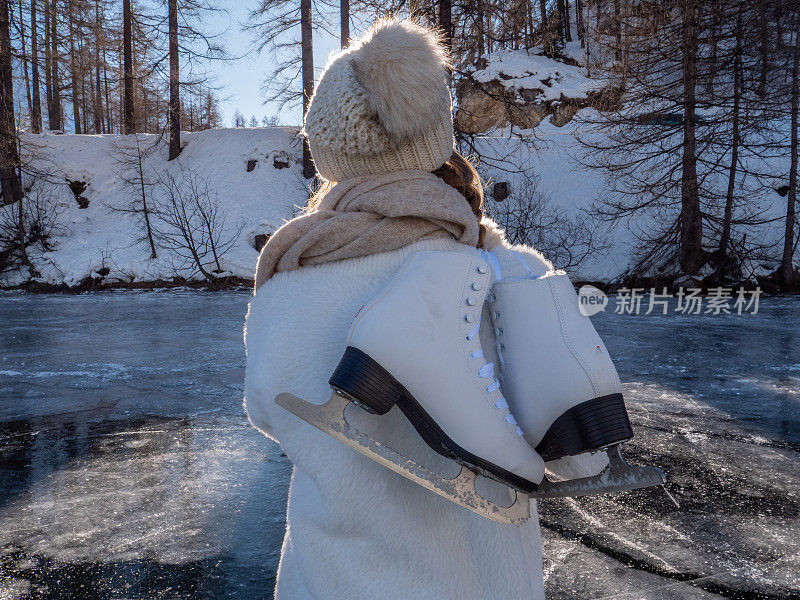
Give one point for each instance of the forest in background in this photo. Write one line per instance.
(698, 119)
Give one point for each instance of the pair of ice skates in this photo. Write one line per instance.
(416, 346)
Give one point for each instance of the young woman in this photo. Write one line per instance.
(380, 131)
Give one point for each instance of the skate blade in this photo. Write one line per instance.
(618, 476)
(330, 418)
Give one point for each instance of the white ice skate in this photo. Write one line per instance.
(560, 382)
(416, 346)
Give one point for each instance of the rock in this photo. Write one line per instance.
(260, 240)
(77, 187)
(563, 114)
(251, 164)
(483, 106)
(280, 160)
(500, 191)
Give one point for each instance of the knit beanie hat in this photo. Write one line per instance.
(382, 105)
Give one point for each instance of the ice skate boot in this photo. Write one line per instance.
(559, 379)
(416, 345)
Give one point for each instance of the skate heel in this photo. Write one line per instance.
(588, 426)
(362, 380)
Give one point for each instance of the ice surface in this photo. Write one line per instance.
(128, 470)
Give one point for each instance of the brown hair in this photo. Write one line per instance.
(458, 172)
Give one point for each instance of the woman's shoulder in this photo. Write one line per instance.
(513, 259)
(342, 271)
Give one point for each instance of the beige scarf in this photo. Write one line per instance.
(367, 215)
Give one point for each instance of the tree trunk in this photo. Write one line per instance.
(544, 30)
(23, 45)
(98, 95)
(307, 58)
(446, 23)
(82, 72)
(724, 240)
(127, 50)
(528, 23)
(579, 22)
(344, 14)
(55, 118)
(714, 46)
(691, 219)
(563, 7)
(36, 107)
(618, 31)
(9, 157)
(76, 114)
(48, 78)
(143, 192)
(763, 50)
(786, 268)
(174, 84)
(480, 33)
(109, 120)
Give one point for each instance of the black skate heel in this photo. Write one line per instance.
(591, 425)
(362, 380)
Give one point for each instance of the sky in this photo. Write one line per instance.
(240, 80)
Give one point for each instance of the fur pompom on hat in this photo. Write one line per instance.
(383, 105)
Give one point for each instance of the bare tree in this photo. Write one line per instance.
(307, 59)
(97, 93)
(55, 116)
(33, 222)
(191, 223)
(131, 156)
(725, 237)
(73, 35)
(787, 272)
(127, 45)
(274, 27)
(36, 103)
(344, 16)
(528, 217)
(174, 83)
(9, 153)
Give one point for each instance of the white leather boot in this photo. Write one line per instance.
(556, 372)
(416, 345)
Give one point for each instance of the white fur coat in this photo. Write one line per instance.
(356, 530)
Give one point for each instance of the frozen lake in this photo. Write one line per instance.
(128, 469)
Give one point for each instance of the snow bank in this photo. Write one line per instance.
(102, 242)
(529, 70)
(100, 238)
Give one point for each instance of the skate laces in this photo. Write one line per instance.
(487, 368)
(487, 372)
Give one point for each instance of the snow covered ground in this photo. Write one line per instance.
(128, 470)
(100, 236)
(531, 70)
(104, 243)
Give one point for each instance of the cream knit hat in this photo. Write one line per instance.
(382, 105)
